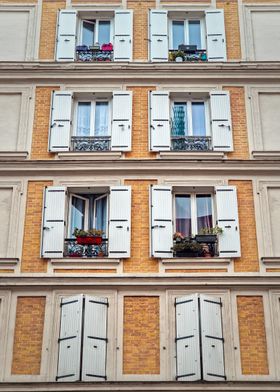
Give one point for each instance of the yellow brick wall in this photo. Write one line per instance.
(28, 335)
(253, 347)
(31, 261)
(141, 335)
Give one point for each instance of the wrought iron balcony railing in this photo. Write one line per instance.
(91, 143)
(73, 249)
(187, 54)
(196, 247)
(191, 143)
(86, 54)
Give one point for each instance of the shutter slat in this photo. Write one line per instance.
(59, 136)
(123, 35)
(221, 121)
(122, 121)
(158, 35)
(216, 38)
(160, 121)
(66, 35)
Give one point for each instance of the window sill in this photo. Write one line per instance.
(196, 264)
(72, 155)
(13, 155)
(85, 261)
(191, 155)
(266, 154)
(197, 260)
(271, 260)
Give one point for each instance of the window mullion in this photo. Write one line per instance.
(190, 124)
(92, 118)
(186, 31)
(194, 213)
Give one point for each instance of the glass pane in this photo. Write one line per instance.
(104, 32)
(179, 120)
(178, 34)
(183, 215)
(83, 119)
(198, 119)
(88, 33)
(195, 33)
(77, 214)
(204, 212)
(101, 214)
(101, 126)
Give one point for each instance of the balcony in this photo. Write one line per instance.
(73, 249)
(91, 143)
(188, 53)
(198, 246)
(191, 143)
(86, 53)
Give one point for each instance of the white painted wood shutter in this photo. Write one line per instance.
(216, 37)
(158, 35)
(222, 138)
(187, 339)
(59, 135)
(161, 221)
(69, 341)
(66, 35)
(121, 121)
(120, 221)
(123, 45)
(95, 339)
(160, 137)
(227, 219)
(53, 222)
(212, 338)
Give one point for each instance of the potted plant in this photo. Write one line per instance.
(88, 237)
(186, 246)
(208, 235)
(179, 56)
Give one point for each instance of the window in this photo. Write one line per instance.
(190, 118)
(96, 31)
(93, 118)
(187, 32)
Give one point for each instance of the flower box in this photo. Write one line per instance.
(206, 238)
(183, 253)
(93, 240)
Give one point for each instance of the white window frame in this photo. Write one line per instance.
(107, 208)
(186, 30)
(70, 211)
(96, 27)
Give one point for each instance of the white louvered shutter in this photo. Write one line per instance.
(120, 221)
(69, 341)
(212, 338)
(160, 121)
(59, 135)
(158, 35)
(123, 43)
(121, 121)
(227, 219)
(216, 37)
(187, 339)
(66, 35)
(95, 339)
(222, 138)
(161, 221)
(53, 222)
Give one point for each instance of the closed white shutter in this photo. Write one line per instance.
(53, 222)
(69, 341)
(95, 339)
(66, 35)
(161, 221)
(227, 219)
(187, 339)
(123, 35)
(222, 139)
(158, 35)
(121, 121)
(160, 121)
(216, 37)
(212, 338)
(119, 221)
(59, 136)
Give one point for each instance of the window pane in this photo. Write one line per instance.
(198, 119)
(101, 127)
(101, 214)
(195, 33)
(83, 119)
(179, 120)
(183, 215)
(104, 32)
(178, 34)
(88, 33)
(204, 212)
(77, 214)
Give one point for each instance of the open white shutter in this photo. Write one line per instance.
(66, 35)
(212, 338)
(119, 221)
(69, 341)
(160, 121)
(158, 35)
(187, 339)
(123, 35)
(53, 222)
(122, 121)
(227, 219)
(59, 135)
(161, 221)
(95, 339)
(222, 139)
(216, 37)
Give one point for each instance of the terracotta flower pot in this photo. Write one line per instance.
(97, 240)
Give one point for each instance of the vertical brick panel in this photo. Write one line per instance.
(28, 335)
(141, 336)
(31, 261)
(253, 347)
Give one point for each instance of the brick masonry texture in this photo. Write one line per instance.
(141, 351)
(253, 346)
(28, 335)
(31, 261)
